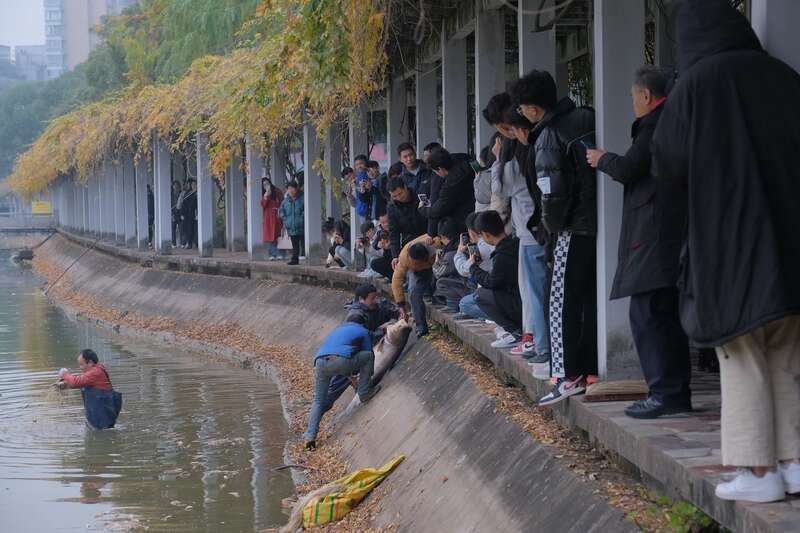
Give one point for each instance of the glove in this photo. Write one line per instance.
(62, 372)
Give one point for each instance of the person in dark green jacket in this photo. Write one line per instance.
(292, 213)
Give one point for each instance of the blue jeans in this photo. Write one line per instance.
(324, 370)
(420, 284)
(468, 306)
(272, 250)
(345, 255)
(533, 289)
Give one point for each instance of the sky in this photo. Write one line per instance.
(21, 22)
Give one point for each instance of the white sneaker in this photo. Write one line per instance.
(749, 488)
(790, 472)
(506, 341)
(302, 258)
(368, 273)
(500, 332)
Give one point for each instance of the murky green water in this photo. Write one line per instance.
(194, 449)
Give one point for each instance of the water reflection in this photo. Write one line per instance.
(194, 448)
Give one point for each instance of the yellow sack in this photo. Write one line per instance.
(357, 485)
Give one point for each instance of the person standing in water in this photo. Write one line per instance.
(101, 402)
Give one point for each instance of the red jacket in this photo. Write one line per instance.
(96, 377)
(272, 222)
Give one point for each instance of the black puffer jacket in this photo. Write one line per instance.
(504, 275)
(567, 182)
(406, 223)
(456, 198)
(729, 133)
(653, 216)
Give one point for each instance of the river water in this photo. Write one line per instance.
(195, 447)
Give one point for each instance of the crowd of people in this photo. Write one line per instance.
(705, 252)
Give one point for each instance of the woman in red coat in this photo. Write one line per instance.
(270, 202)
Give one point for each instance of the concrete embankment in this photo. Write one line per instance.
(467, 467)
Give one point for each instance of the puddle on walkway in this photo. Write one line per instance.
(194, 449)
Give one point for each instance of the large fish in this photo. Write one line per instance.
(387, 352)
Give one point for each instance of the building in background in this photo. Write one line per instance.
(5, 54)
(31, 62)
(70, 30)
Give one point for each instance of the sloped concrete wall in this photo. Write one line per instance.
(466, 468)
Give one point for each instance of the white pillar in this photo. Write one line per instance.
(396, 115)
(85, 207)
(162, 181)
(312, 196)
(454, 94)
(119, 202)
(234, 207)
(490, 67)
(205, 199)
(775, 23)
(333, 160)
(93, 212)
(255, 214)
(619, 48)
(427, 127)
(142, 174)
(358, 124)
(277, 164)
(128, 199)
(536, 50)
(106, 200)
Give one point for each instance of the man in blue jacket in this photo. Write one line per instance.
(346, 351)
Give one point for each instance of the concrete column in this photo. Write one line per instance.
(358, 124)
(142, 174)
(234, 207)
(427, 128)
(277, 164)
(85, 208)
(536, 50)
(313, 197)
(256, 248)
(162, 185)
(454, 94)
(618, 46)
(91, 203)
(775, 23)
(128, 199)
(396, 115)
(109, 178)
(205, 199)
(119, 203)
(333, 160)
(490, 67)
(103, 195)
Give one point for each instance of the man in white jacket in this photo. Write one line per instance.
(509, 184)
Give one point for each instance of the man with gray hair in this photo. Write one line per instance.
(653, 220)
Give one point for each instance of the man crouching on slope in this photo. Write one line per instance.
(346, 351)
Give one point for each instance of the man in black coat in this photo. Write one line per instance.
(729, 135)
(456, 198)
(406, 223)
(653, 219)
(498, 294)
(569, 214)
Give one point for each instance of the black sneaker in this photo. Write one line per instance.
(563, 389)
(371, 394)
(653, 408)
(311, 445)
(422, 333)
(293, 262)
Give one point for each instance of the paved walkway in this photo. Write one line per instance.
(678, 454)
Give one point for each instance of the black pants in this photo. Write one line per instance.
(573, 306)
(383, 265)
(662, 344)
(502, 307)
(188, 231)
(298, 243)
(451, 290)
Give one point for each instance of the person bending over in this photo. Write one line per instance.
(346, 351)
